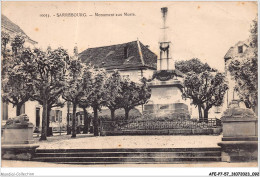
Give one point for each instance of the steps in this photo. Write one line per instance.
(128, 156)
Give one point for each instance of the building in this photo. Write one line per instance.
(32, 108)
(132, 59)
(238, 51)
(12, 29)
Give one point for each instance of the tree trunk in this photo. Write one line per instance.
(200, 112)
(44, 121)
(255, 109)
(49, 133)
(18, 109)
(247, 104)
(74, 121)
(85, 130)
(48, 117)
(95, 122)
(4, 48)
(112, 114)
(206, 115)
(68, 119)
(126, 114)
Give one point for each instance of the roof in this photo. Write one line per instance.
(229, 53)
(130, 55)
(8, 24)
(233, 50)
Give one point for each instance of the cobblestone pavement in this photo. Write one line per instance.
(83, 141)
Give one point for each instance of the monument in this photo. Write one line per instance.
(166, 83)
(240, 135)
(18, 143)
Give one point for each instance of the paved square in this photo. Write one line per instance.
(104, 142)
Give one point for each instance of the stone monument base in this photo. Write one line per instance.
(240, 135)
(18, 151)
(173, 110)
(18, 135)
(18, 140)
(239, 151)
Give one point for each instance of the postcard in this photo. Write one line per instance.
(130, 84)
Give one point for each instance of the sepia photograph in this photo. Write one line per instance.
(130, 84)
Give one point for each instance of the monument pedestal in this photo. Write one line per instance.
(18, 140)
(18, 135)
(18, 151)
(240, 135)
(166, 96)
(239, 151)
(240, 129)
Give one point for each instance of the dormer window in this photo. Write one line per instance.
(126, 52)
(240, 49)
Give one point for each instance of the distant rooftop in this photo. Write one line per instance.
(233, 51)
(130, 55)
(8, 24)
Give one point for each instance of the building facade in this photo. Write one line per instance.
(7, 109)
(32, 108)
(238, 51)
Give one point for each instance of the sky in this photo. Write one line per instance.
(204, 30)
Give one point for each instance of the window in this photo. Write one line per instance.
(81, 119)
(52, 116)
(60, 115)
(4, 111)
(57, 115)
(126, 52)
(70, 116)
(240, 49)
(37, 117)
